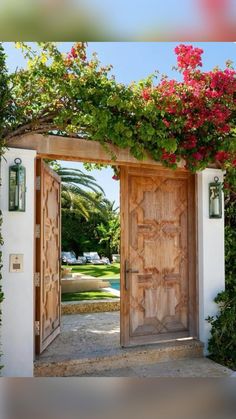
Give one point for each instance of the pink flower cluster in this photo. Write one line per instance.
(77, 51)
(188, 57)
(190, 142)
(146, 94)
(201, 105)
(222, 156)
(169, 157)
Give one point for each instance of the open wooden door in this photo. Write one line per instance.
(158, 278)
(48, 254)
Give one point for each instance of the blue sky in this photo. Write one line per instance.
(130, 15)
(134, 61)
(160, 17)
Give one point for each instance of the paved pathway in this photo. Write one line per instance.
(97, 335)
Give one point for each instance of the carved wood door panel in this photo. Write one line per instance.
(158, 249)
(48, 253)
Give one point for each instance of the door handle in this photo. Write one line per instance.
(127, 272)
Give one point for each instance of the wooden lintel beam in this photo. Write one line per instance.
(75, 149)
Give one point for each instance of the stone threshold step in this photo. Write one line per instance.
(82, 307)
(127, 357)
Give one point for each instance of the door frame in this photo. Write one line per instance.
(193, 309)
(81, 150)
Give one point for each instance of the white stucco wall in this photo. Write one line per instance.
(211, 266)
(17, 335)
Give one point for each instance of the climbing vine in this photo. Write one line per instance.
(4, 116)
(192, 120)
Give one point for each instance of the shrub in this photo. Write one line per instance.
(222, 344)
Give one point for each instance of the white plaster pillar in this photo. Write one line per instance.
(211, 266)
(17, 331)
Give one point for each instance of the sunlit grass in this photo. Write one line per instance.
(99, 271)
(87, 295)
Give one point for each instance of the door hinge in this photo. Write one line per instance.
(36, 328)
(38, 183)
(37, 231)
(36, 279)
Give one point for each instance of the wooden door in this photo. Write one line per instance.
(158, 296)
(48, 254)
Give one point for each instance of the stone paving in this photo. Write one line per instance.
(194, 368)
(96, 335)
(84, 336)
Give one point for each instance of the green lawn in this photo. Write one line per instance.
(87, 295)
(99, 271)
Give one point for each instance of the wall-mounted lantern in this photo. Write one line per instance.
(17, 186)
(215, 199)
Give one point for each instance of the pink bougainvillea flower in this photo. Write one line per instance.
(170, 157)
(226, 185)
(146, 94)
(222, 156)
(167, 124)
(197, 156)
(73, 52)
(188, 57)
(190, 142)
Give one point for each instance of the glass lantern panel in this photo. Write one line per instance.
(21, 190)
(215, 202)
(13, 190)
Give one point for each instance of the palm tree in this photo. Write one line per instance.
(109, 234)
(74, 194)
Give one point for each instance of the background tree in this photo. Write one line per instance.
(87, 234)
(76, 188)
(109, 231)
(90, 221)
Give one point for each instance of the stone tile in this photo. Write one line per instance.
(85, 335)
(195, 367)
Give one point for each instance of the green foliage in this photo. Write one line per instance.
(76, 187)
(71, 95)
(98, 232)
(109, 233)
(222, 344)
(5, 112)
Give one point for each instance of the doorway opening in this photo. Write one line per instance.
(158, 269)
